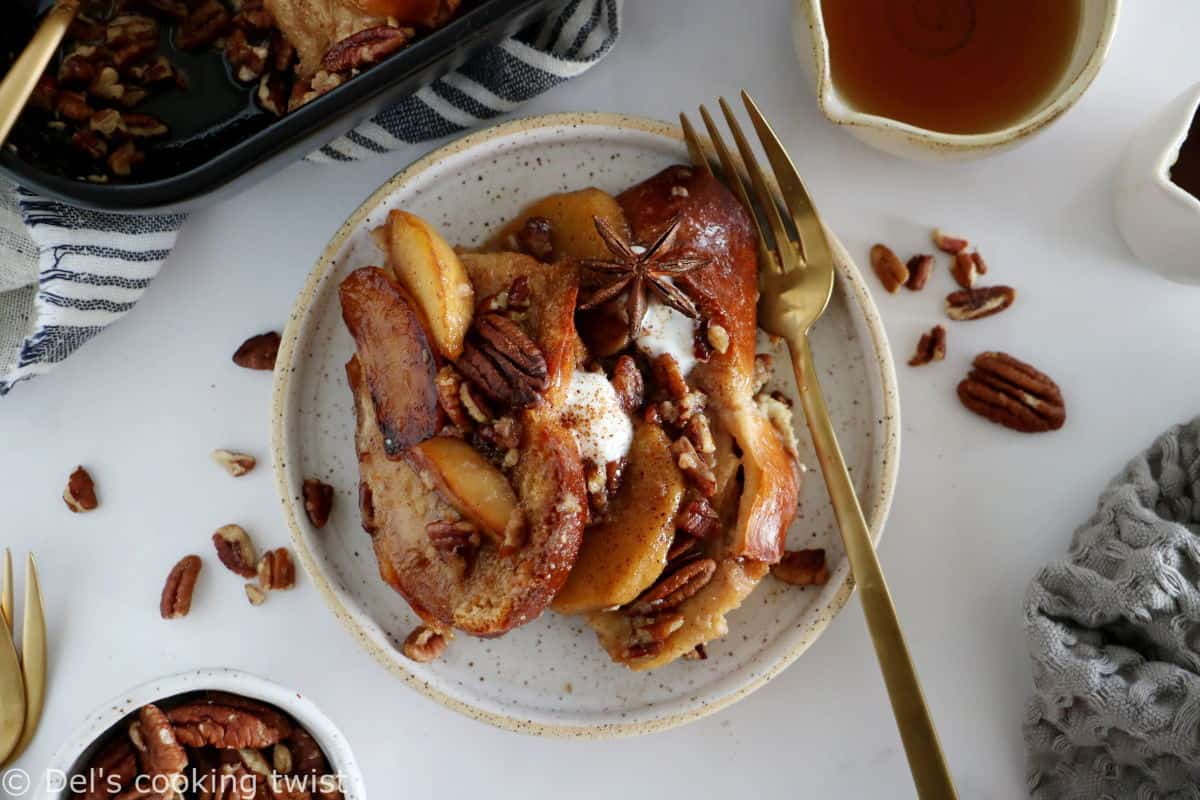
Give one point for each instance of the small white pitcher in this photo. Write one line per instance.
(1159, 220)
(1097, 25)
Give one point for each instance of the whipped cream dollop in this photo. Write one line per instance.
(665, 330)
(594, 414)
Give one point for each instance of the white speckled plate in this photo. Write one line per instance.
(551, 676)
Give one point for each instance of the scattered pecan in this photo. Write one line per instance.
(235, 463)
(506, 433)
(272, 93)
(519, 294)
(307, 758)
(181, 584)
(276, 570)
(967, 304)
(366, 48)
(699, 653)
(255, 594)
(129, 29)
(258, 352)
(424, 644)
(45, 93)
(249, 60)
(454, 538)
(503, 361)
(235, 550)
(152, 72)
(948, 243)
(536, 238)
(450, 399)
(964, 270)
(107, 122)
(85, 28)
(673, 589)
(656, 629)
(203, 724)
(980, 265)
(629, 384)
(124, 159)
(163, 754)
(318, 501)
(107, 84)
(888, 266)
(697, 517)
(699, 433)
(144, 126)
(80, 494)
(669, 376)
(694, 467)
(920, 267)
(1013, 394)
(802, 568)
(133, 96)
(79, 68)
(88, 143)
(73, 106)
(204, 26)
(932, 347)
(473, 403)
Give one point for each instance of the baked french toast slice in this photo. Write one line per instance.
(454, 575)
(755, 481)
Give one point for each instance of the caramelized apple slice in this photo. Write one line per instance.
(625, 553)
(572, 224)
(430, 269)
(474, 486)
(398, 365)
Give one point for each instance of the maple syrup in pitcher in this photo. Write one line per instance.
(954, 66)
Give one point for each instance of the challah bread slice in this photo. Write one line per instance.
(490, 592)
(755, 512)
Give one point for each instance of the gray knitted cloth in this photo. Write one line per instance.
(1114, 631)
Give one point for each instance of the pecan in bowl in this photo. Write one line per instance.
(209, 734)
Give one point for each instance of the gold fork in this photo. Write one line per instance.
(795, 284)
(22, 678)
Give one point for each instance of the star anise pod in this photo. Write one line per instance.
(636, 269)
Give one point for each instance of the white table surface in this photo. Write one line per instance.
(977, 509)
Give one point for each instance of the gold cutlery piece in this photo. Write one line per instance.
(33, 656)
(796, 279)
(23, 75)
(12, 683)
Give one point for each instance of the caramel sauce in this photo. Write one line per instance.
(1185, 172)
(954, 66)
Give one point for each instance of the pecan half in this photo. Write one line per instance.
(113, 767)
(424, 644)
(671, 590)
(144, 126)
(717, 336)
(204, 26)
(258, 352)
(932, 347)
(235, 463)
(669, 376)
(629, 384)
(888, 267)
(694, 468)
(948, 243)
(209, 724)
(536, 239)
(920, 267)
(235, 550)
(125, 159)
(318, 501)
(307, 758)
(450, 399)
(697, 517)
(276, 570)
(255, 594)
(73, 106)
(503, 361)
(366, 48)
(248, 59)
(655, 630)
(964, 270)
(459, 539)
(1013, 394)
(163, 754)
(80, 494)
(802, 568)
(270, 716)
(967, 304)
(181, 584)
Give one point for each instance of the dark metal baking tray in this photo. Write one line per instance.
(221, 142)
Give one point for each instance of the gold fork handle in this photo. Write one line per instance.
(23, 75)
(925, 758)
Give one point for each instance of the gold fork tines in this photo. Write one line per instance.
(795, 283)
(23, 676)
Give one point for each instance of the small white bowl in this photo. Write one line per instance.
(1159, 220)
(73, 756)
(1097, 25)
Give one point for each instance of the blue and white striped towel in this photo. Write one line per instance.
(67, 273)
